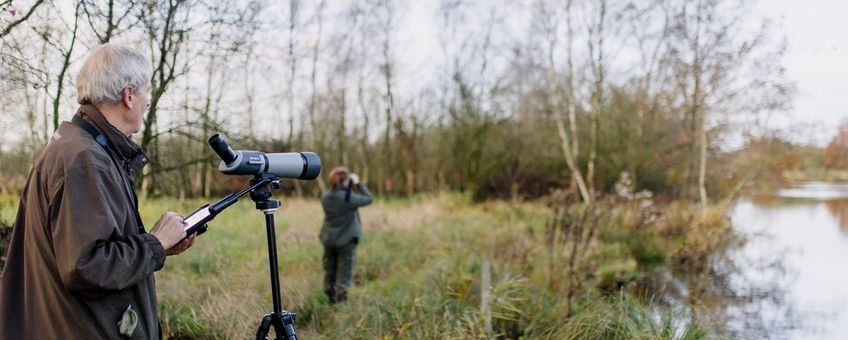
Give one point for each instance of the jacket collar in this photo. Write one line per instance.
(120, 144)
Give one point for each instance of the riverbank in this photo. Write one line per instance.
(626, 269)
(816, 175)
(421, 265)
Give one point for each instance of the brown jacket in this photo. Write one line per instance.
(79, 260)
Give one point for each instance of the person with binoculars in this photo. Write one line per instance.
(342, 230)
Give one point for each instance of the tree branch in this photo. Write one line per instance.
(21, 20)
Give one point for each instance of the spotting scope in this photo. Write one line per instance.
(267, 168)
(295, 165)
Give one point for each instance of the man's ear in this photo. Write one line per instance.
(127, 97)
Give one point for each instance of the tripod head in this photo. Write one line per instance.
(262, 194)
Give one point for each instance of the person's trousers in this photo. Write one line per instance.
(338, 271)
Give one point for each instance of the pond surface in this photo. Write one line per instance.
(796, 254)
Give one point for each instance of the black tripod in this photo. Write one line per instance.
(283, 321)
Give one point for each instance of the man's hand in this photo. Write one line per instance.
(169, 230)
(182, 246)
(354, 178)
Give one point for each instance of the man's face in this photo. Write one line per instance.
(139, 103)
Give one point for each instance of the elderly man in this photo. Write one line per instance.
(80, 264)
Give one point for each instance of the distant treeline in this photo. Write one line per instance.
(521, 99)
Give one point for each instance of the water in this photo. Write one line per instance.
(802, 238)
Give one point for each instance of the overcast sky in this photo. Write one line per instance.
(817, 60)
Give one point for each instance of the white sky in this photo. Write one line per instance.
(817, 60)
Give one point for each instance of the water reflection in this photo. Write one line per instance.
(839, 209)
(777, 274)
(763, 274)
(805, 230)
(730, 286)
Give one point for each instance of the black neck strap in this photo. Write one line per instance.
(98, 137)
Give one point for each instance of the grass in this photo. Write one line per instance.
(418, 275)
(8, 208)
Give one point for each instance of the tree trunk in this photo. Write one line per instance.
(597, 99)
(566, 141)
(390, 101)
(702, 174)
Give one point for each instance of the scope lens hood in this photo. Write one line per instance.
(311, 165)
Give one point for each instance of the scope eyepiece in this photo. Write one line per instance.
(222, 148)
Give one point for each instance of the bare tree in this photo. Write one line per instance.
(65, 53)
(708, 58)
(387, 18)
(165, 26)
(364, 109)
(294, 11)
(229, 31)
(316, 132)
(294, 14)
(568, 139)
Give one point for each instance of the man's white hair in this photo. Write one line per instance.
(109, 69)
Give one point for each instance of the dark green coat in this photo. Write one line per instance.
(341, 215)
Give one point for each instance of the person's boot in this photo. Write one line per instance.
(331, 295)
(341, 297)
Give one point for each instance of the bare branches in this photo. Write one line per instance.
(19, 21)
(66, 62)
(114, 14)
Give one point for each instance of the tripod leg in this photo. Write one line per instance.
(264, 328)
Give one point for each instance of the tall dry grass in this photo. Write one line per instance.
(420, 273)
